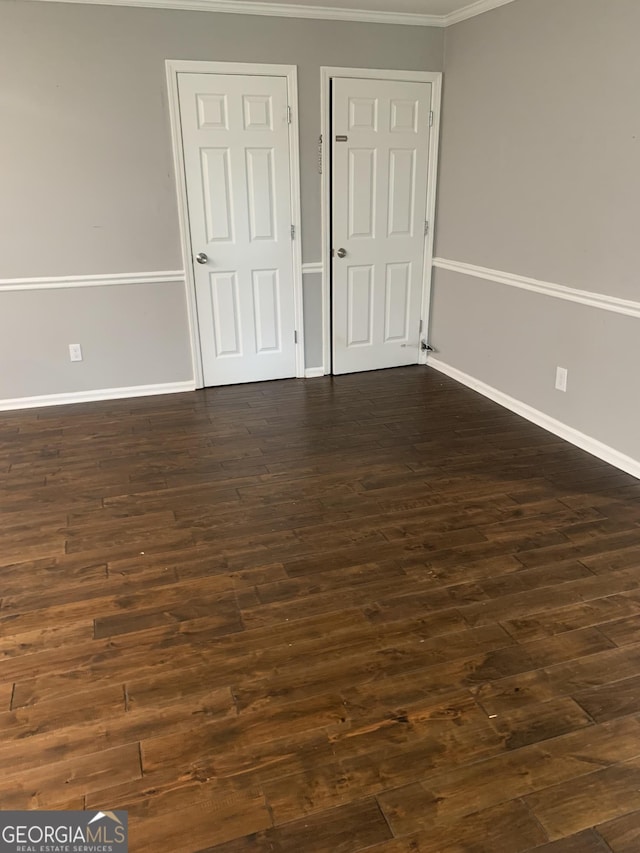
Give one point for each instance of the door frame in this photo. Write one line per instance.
(173, 68)
(327, 73)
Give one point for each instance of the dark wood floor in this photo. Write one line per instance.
(371, 613)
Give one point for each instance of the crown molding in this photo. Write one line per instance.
(477, 8)
(287, 10)
(280, 10)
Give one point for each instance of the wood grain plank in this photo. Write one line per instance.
(583, 842)
(596, 798)
(611, 700)
(599, 612)
(42, 736)
(51, 785)
(625, 632)
(622, 834)
(509, 826)
(540, 722)
(205, 817)
(350, 827)
(6, 693)
(563, 679)
(444, 797)
(293, 601)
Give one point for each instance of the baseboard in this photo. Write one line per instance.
(579, 439)
(314, 372)
(94, 396)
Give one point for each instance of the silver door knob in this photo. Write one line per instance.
(341, 253)
(201, 258)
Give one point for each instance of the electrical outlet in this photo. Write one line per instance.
(75, 352)
(561, 378)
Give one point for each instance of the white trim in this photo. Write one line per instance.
(627, 307)
(579, 439)
(327, 73)
(472, 10)
(98, 394)
(321, 13)
(296, 211)
(183, 220)
(313, 269)
(173, 67)
(325, 213)
(432, 190)
(66, 281)
(280, 10)
(314, 372)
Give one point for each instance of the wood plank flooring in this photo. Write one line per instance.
(375, 612)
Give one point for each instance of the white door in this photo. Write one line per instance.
(235, 137)
(379, 185)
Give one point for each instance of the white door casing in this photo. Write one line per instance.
(239, 206)
(380, 166)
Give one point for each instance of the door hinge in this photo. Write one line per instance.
(288, 114)
(320, 154)
(426, 227)
(431, 118)
(293, 232)
(295, 337)
(420, 332)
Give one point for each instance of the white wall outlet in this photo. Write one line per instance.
(562, 375)
(75, 352)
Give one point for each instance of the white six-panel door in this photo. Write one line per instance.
(235, 140)
(380, 166)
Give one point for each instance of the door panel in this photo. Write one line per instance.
(379, 187)
(226, 315)
(235, 136)
(397, 303)
(360, 306)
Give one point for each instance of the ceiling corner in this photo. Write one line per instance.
(472, 10)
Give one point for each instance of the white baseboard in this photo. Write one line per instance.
(579, 439)
(94, 396)
(314, 372)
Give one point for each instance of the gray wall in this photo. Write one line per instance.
(312, 295)
(90, 188)
(85, 124)
(127, 332)
(540, 177)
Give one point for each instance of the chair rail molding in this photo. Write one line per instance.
(627, 307)
(109, 279)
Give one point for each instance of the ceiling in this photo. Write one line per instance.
(434, 13)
